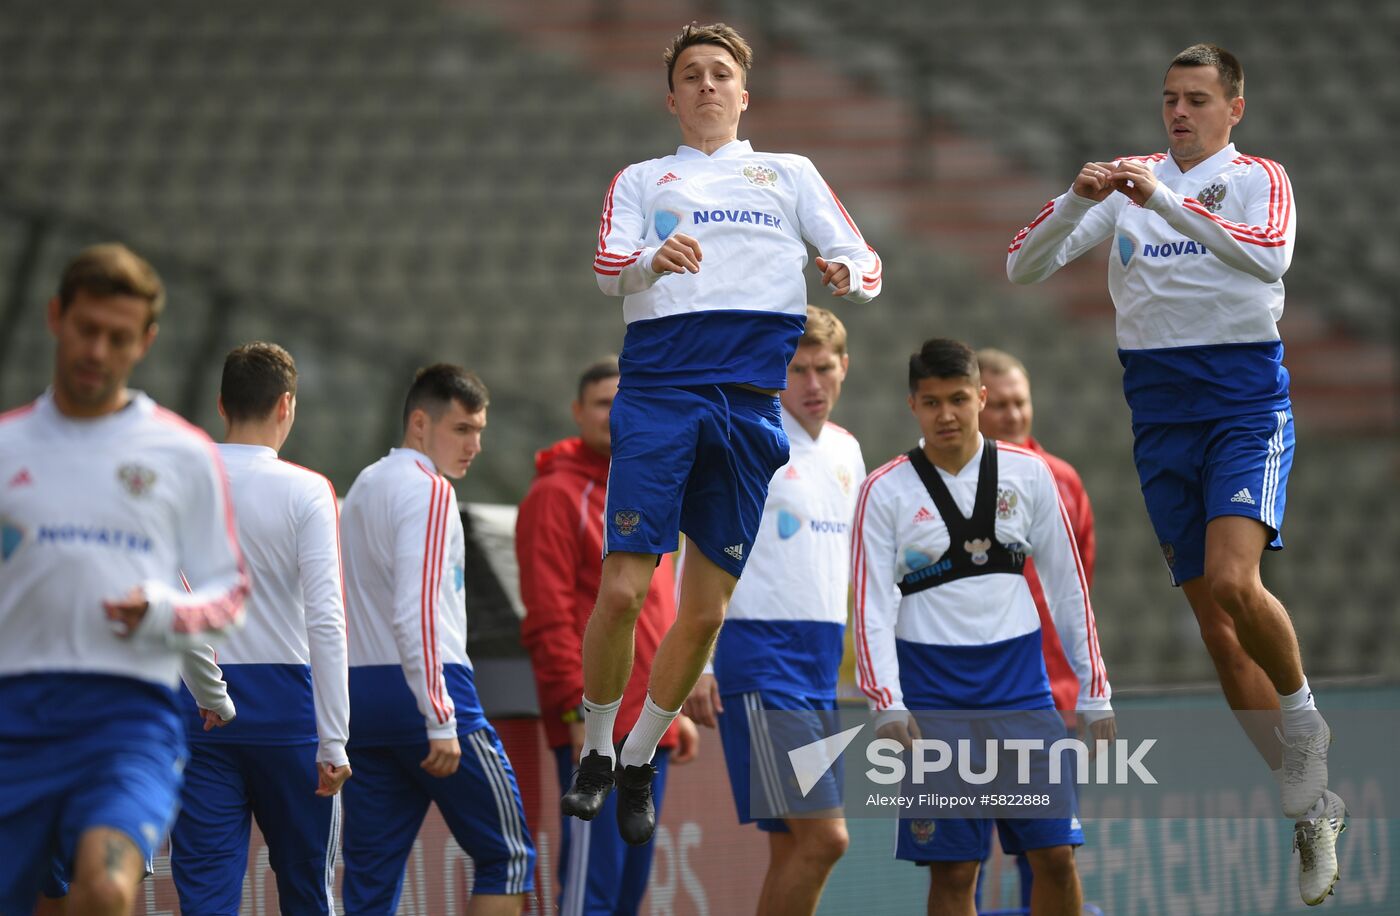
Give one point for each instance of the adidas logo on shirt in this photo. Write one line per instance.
(737, 551)
(1243, 497)
(21, 478)
(669, 176)
(923, 515)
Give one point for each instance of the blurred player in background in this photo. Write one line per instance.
(105, 498)
(559, 545)
(411, 684)
(780, 648)
(1204, 236)
(707, 245)
(944, 618)
(1008, 417)
(283, 761)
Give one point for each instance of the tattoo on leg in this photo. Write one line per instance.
(117, 850)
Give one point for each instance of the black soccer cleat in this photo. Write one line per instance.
(636, 811)
(593, 780)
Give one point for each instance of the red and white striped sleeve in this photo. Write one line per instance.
(622, 263)
(210, 561)
(1065, 584)
(1261, 245)
(826, 225)
(877, 598)
(1065, 228)
(420, 564)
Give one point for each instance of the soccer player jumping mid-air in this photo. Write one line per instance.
(1204, 234)
(707, 245)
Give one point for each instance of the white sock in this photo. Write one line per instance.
(598, 722)
(1300, 715)
(646, 734)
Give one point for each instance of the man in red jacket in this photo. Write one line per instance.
(559, 545)
(1008, 416)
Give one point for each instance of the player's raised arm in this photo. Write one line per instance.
(849, 267)
(420, 556)
(622, 263)
(1065, 227)
(323, 591)
(1262, 244)
(209, 557)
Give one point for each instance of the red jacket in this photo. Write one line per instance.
(1063, 682)
(559, 546)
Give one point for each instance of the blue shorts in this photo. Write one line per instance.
(970, 839)
(614, 874)
(695, 459)
(756, 753)
(1192, 473)
(225, 784)
(53, 790)
(387, 798)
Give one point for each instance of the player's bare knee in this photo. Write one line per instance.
(1235, 591)
(1055, 866)
(703, 620)
(102, 896)
(953, 879)
(825, 845)
(620, 601)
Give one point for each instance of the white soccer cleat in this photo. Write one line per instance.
(1315, 839)
(1304, 770)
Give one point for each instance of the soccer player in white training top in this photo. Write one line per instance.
(411, 684)
(708, 246)
(105, 498)
(945, 620)
(1202, 237)
(282, 761)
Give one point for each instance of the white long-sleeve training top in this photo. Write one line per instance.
(1196, 278)
(405, 596)
(739, 318)
(89, 510)
(785, 624)
(287, 669)
(970, 643)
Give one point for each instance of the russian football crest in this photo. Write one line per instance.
(626, 521)
(760, 176)
(1212, 196)
(136, 479)
(1006, 502)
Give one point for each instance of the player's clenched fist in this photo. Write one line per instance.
(444, 754)
(835, 275)
(680, 254)
(1094, 181)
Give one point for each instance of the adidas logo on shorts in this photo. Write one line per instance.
(1243, 497)
(737, 551)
